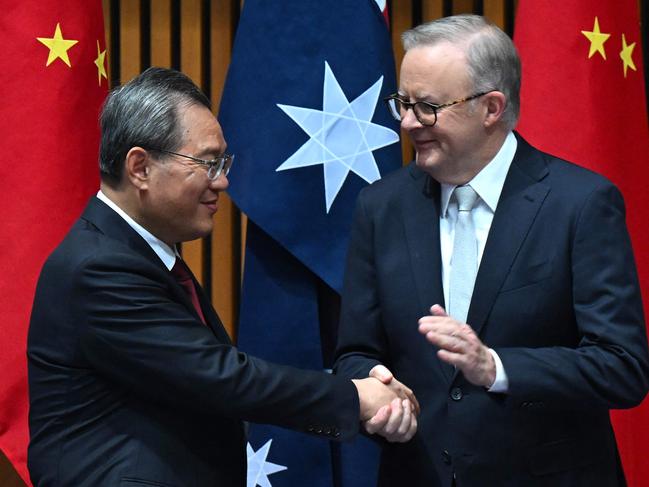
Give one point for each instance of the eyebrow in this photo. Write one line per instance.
(417, 100)
(210, 153)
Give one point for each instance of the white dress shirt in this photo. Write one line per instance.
(165, 252)
(488, 184)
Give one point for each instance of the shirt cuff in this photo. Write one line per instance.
(501, 384)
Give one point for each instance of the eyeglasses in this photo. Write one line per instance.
(215, 167)
(425, 112)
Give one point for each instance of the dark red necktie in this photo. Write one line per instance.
(184, 277)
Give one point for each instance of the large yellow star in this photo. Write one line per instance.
(58, 46)
(597, 40)
(626, 54)
(100, 63)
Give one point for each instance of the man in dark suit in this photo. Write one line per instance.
(531, 258)
(133, 379)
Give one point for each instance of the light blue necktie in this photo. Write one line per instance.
(464, 261)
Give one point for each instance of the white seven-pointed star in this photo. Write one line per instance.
(342, 135)
(258, 468)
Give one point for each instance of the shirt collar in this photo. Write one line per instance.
(489, 182)
(166, 253)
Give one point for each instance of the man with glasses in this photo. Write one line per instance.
(133, 379)
(495, 280)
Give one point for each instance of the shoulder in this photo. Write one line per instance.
(391, 187)
(87, 252)
(562, 176)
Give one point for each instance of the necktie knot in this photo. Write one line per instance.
(180, 271)
(465, 197)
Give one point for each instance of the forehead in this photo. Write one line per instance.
(438, 70)
(200, 129)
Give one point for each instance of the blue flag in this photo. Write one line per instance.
(302, 110)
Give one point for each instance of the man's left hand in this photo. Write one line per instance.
(459, 346)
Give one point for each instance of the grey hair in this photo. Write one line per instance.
(492, 59)
(144, 112)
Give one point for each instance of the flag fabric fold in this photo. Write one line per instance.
(302, 110)
(583, 99)
(54, 81)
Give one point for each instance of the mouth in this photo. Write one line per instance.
(212, 205)
(424, 144)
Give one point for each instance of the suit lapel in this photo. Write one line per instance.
(522, 197)
(421, 224)
(114, 226)
(212, 319)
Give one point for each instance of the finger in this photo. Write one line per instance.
(453, 358)
(408, 426)
(382, 373)
(412, 430)
(437, 310)
(378, 421)
(414, 403)
(407, 429)
(405, 419)
(393, 423)
(412, 399)
(443, 325)
(447, 341)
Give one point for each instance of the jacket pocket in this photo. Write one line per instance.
(531, 274)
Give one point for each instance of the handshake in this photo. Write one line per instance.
(388, 408)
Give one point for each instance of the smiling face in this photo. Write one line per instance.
(179, 201)
(452, 151)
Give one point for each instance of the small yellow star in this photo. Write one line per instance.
(597, 40)
(626, 55)
(58, 46)
(100, 63)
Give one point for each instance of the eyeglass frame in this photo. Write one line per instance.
(435, 107)
(222, 163)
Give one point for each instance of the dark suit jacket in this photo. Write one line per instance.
(129, 388)
(556, 296)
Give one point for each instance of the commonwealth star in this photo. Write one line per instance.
(342, 136)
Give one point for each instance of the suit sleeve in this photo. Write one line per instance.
(361, 341)
(137, 336)
(609, 367)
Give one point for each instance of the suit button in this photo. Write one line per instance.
(446, 456)
(310, 428)
(456, 394)
(318, 429)
(327, 431)
(336, 433)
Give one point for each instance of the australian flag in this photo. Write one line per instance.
(302, 110)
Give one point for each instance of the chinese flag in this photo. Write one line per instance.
(583, 99)
(53, 83)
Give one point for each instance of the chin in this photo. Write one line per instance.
(427, 163)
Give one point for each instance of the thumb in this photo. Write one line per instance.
(381, 373)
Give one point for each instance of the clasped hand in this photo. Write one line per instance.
(394, 410)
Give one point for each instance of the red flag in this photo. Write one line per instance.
(53, 83)
(583, 99)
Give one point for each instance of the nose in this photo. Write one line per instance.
(221, 183)
(409, 120)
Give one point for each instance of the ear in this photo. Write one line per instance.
(137, 167)
(495, 104)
